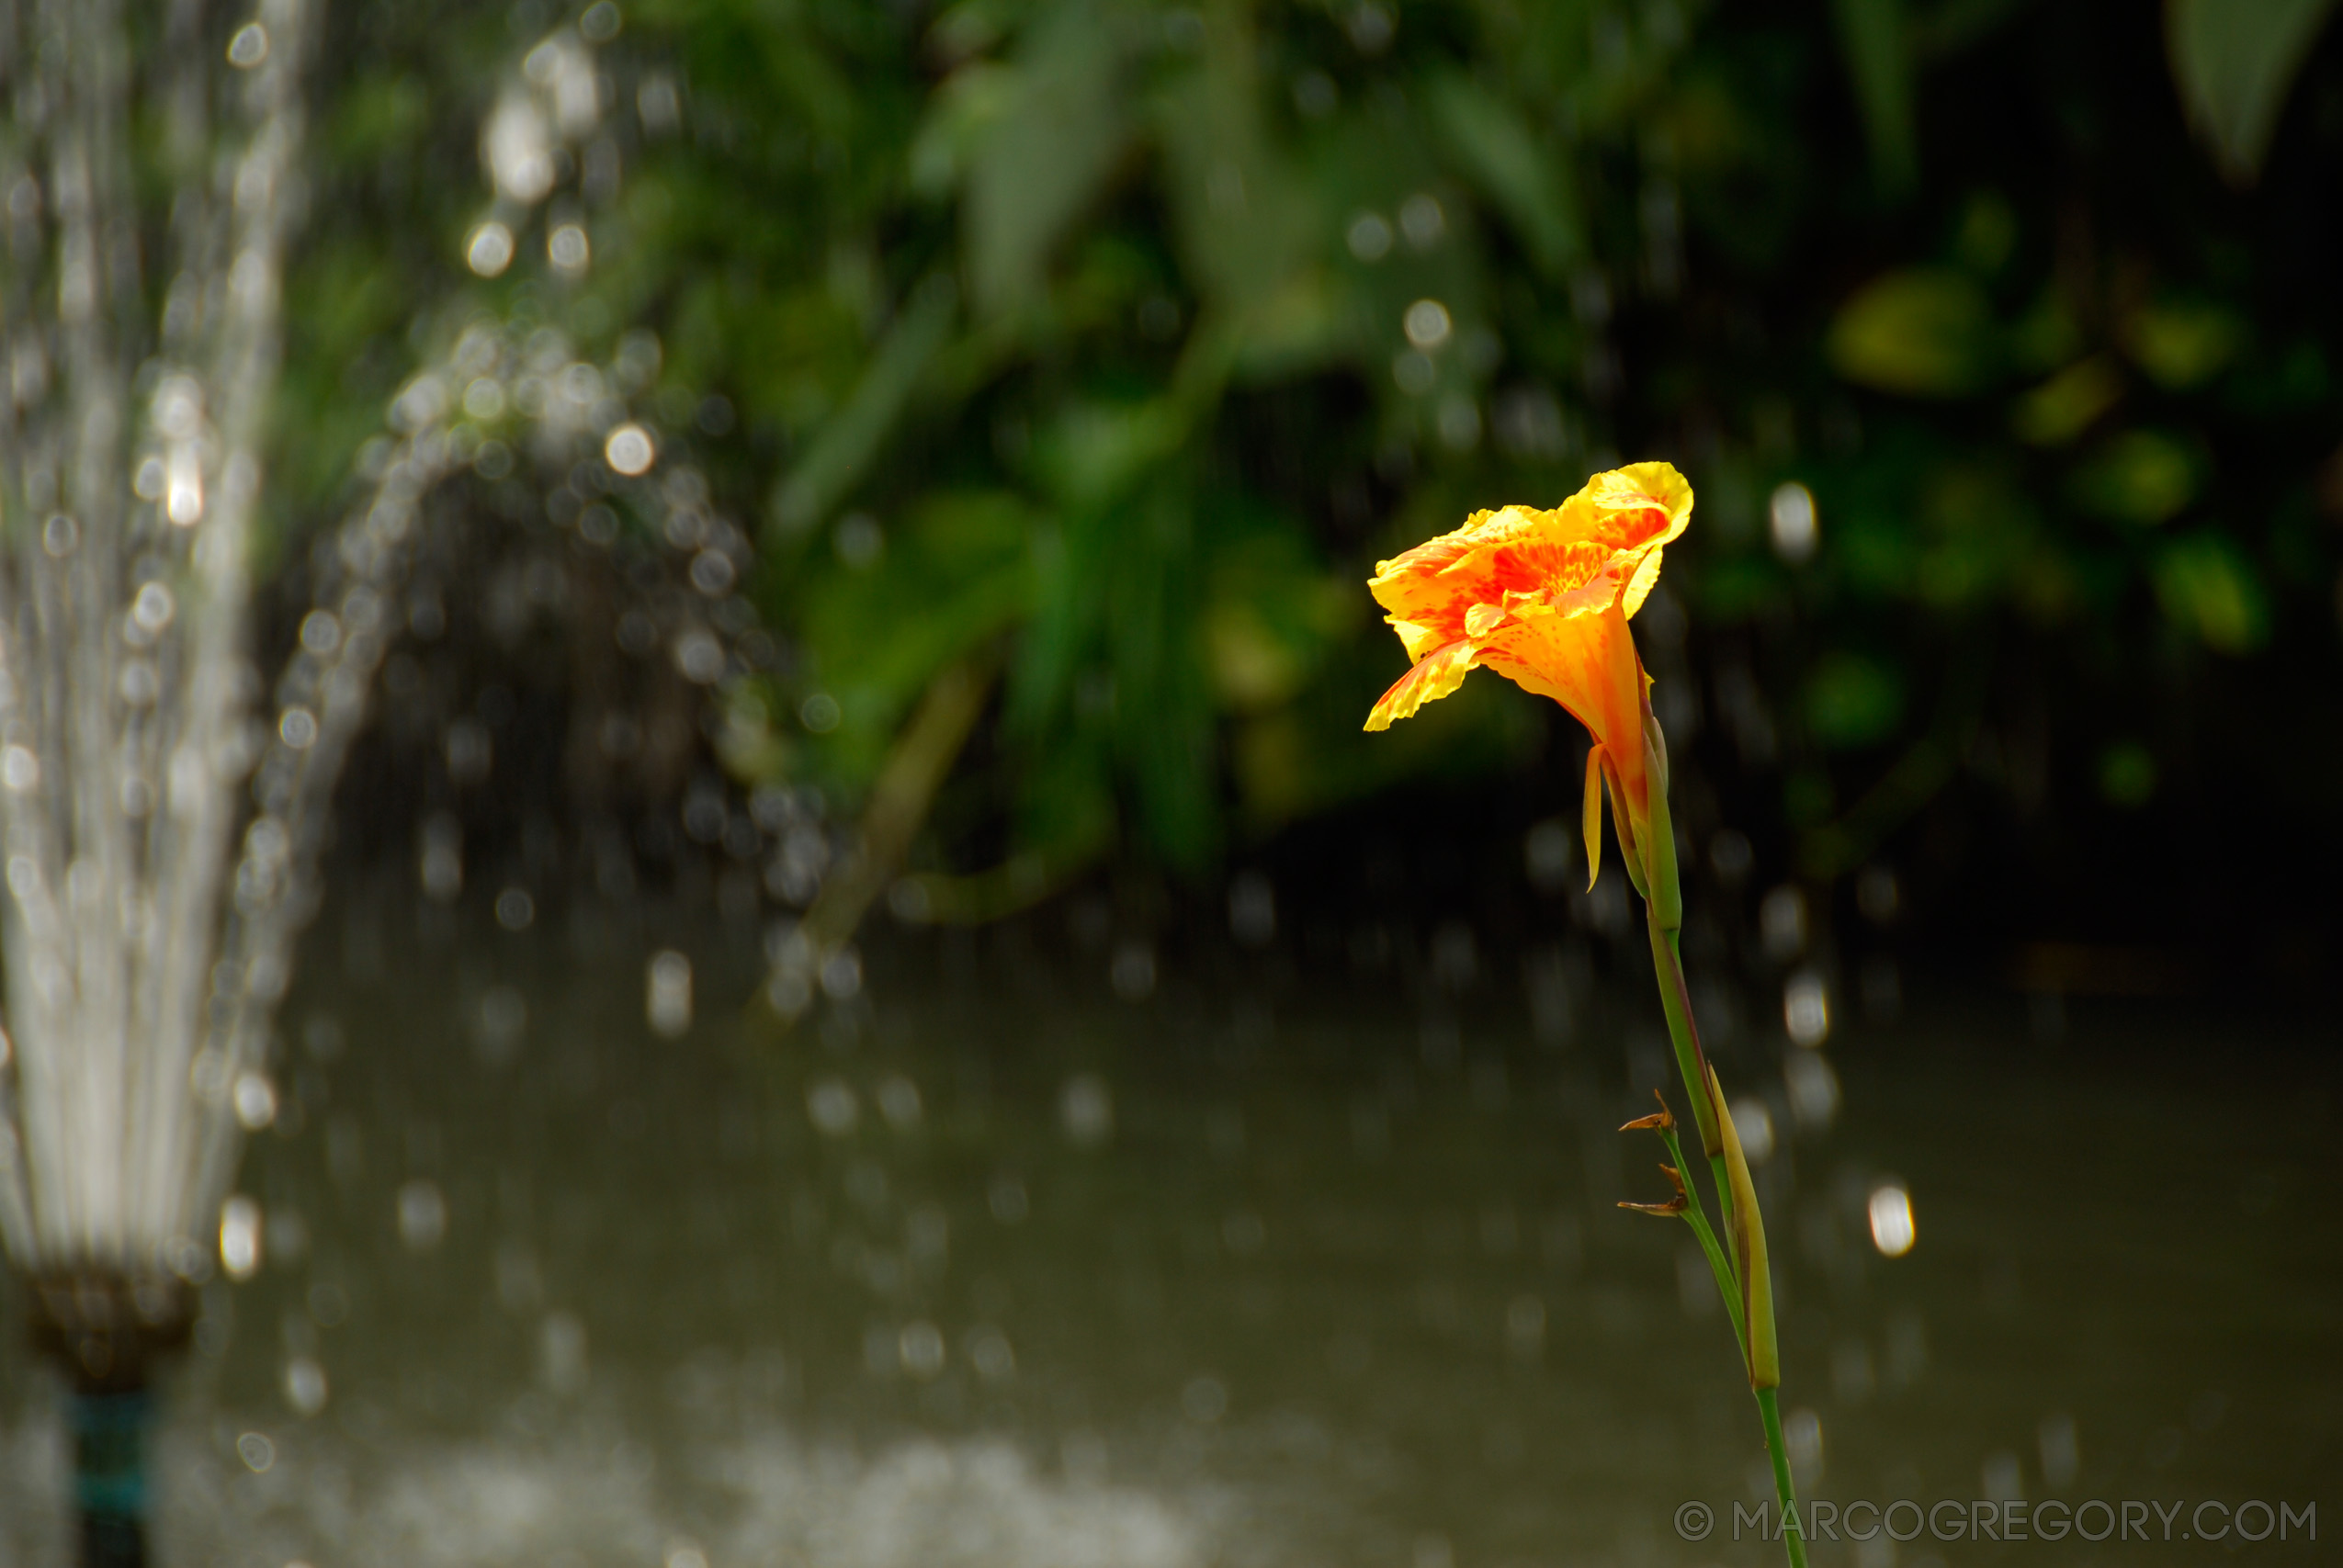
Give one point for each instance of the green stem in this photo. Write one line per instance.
(1676, 1001)
(1727, 1281)
(1792, 1536)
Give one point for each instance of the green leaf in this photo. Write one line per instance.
(1056, 129)
(2127, 774)
(2207, 585)
(878, 634)
(845, 446)
(2068, 403)
(1502, 156)
(2141, 475)
(1248, 225)
(1852, 700)
(1924, 332)
(1879, 59)
(2234, 61)
(2183, 344)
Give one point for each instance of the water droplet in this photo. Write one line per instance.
(1459, 423)
(700, 657)
(1805, 1009)
(568, 249)
(629, 450)
(1814, 1089)
(1086, 1110)
(2061, 1452)
(921, 1345)
(499, 1024)
(484, 400)
(152, 608)
(898, 1101)
(1205, 1399)
(183, 486)
(423, 1215)
(820, 712)
(255, 1102)
(1795, 528)
(713, 573)
(442, 858)
(471, 750)
(257, 1452)
(1426, 325)
(659, 103)
(249, 47)
(20, 774)
(842, 974)
(517, 145)
(240, 1240)
(1782, 921)
(489, 252)
(667, 1003)
(1369, 237)
(991, 1355)
(1132, 974)
(831, 1105)
(305, 1387)
(1548, 853)
(1892, 1229)
(1802, 1436)
(1413, 373)
(561, 1352)
(1421, 220)
(1252, 909)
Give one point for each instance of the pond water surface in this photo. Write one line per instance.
(990, 1265)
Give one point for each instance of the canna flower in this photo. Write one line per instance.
(1544, 599)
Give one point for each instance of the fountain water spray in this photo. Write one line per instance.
(129, 474)
(145, 950)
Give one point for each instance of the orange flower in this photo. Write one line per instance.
(1544, 598)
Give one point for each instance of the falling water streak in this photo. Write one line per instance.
(123, 679)
(133, 1024)
(369, 557)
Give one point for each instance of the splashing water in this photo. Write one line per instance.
(142, 967)
(134, 1007)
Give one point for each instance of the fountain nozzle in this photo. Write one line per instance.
(108, 1332)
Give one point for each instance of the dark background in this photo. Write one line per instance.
(1046, 341)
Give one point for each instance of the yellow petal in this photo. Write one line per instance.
(1593, 812)
(1639, 585)
(1434, 676)
(1587, 663)
(1481, 619)
(1416, 639)
(1628, 826)
(1644, 486)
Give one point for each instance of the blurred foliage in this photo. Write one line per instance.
(1107, 344)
